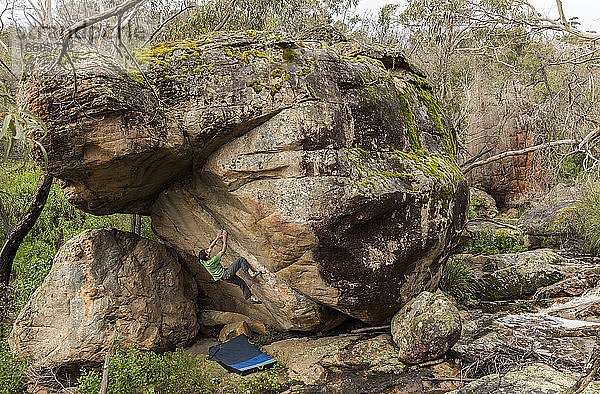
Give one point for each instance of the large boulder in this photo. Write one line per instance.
(426, 328)
(333, 175)
(106, 285)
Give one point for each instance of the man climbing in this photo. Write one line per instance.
(214, 267)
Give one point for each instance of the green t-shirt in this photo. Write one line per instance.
(214, 267)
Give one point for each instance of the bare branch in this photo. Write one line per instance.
(159, 28)
(503, 155)
(115, 11)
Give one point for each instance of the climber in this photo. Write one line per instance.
(229, 274)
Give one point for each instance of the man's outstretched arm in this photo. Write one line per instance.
(213, 243)
(224, 243)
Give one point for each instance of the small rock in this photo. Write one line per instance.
(572, 286)
(426, 328)
(211, 318)
(232, 330)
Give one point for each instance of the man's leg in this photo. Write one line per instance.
(239, 263)
(236, 280)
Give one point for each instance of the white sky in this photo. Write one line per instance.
(588, 11)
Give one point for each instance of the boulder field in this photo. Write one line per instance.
(333, 173)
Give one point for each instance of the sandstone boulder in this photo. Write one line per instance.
(211, 318)
(333, 175)
(104, 285)
(426, 328)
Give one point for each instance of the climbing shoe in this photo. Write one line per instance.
(254, 275)
(254, 300)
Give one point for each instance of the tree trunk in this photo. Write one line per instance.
(16, 236)
(5, 219)
(136, 224)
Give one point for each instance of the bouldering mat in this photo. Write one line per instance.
(239, 355)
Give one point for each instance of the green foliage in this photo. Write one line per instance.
(273, 380)
(19, 127)
(475, 205)
(262, 15)
(132, 369)
(493, 242)
(458, 280)
(12, 377)
(570, 168)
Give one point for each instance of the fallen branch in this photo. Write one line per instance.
(369, 329)
(448, 379)
(105, 370)
(511, 153)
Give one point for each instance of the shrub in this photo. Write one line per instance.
(586, 218)
(458, 279)
(493, 242)
(475, 205)
(12, 376)
(273, 380)
(579, 225)
(570, 168)
(133, 369)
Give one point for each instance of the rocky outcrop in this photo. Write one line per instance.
(426, 328)
(545, 223)
(481, 204)
(533, 379)
(515, 275)
(500, 120)
(106, 285)
(502, 336)
(357, 363)
(333, 175)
